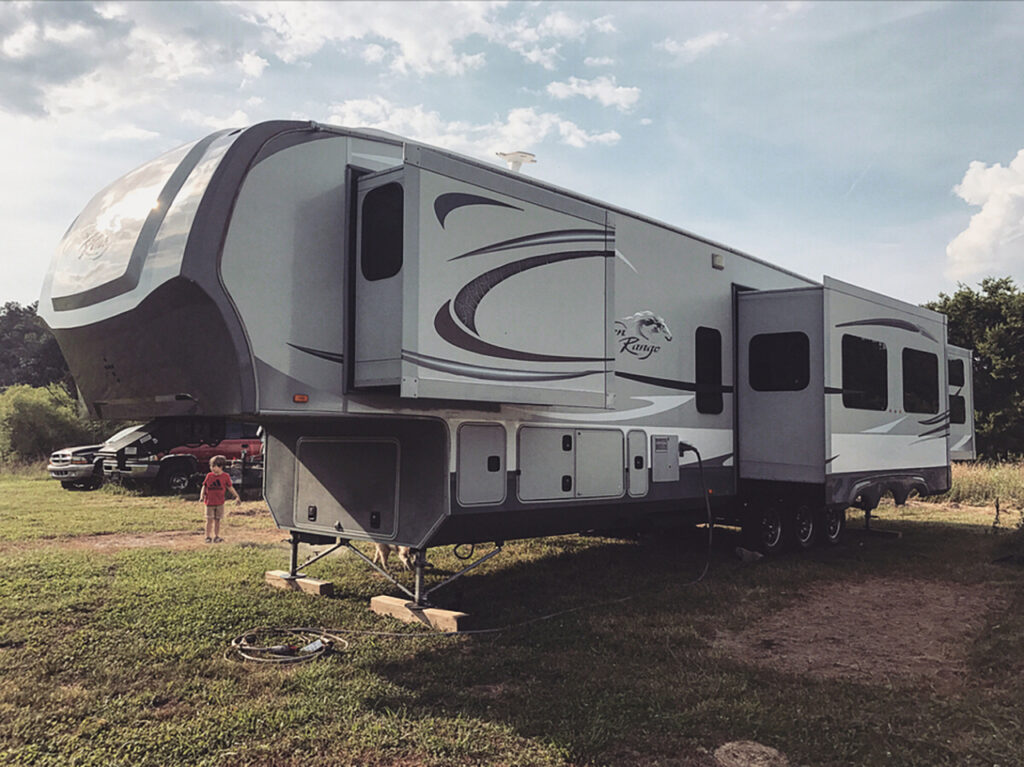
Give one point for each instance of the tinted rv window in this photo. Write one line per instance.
(780, 362)
(957, 409)
(709, 370)
(381, 221)
(920, 382)
(956, 372)
(865, 382)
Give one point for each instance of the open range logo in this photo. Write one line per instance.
(642, 334)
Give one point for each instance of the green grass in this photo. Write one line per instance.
(981, 484)
(117, 658)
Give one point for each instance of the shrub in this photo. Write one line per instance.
(36, 421)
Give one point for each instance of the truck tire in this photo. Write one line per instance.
(69, 484)
(175, 478)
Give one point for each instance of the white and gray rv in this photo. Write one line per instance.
(441, 351)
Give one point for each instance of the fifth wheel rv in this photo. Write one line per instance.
(441, 351)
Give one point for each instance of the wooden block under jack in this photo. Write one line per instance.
(279, 579)
(407, 611)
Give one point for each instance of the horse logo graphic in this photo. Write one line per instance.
(641, 333)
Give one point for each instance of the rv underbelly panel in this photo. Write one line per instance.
(348, 485)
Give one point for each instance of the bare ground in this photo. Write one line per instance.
(168, 539)
(875, 631)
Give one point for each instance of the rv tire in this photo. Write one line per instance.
(804, 526)
(765, 529)
(832, 525)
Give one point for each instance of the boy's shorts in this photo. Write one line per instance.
(215, 512)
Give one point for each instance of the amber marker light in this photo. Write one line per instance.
(300, 398)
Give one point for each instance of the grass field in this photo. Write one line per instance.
(114, 656)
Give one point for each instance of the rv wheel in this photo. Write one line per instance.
(805, 526)
(765, 529)
(833, 523)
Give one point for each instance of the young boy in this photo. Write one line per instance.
(215, 486)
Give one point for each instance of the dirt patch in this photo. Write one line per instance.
(874, 631)
(749, 753)
(168, 539)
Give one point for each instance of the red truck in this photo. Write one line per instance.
(156, 454)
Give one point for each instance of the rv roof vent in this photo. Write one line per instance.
(515, 160)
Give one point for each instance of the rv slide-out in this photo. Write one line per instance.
(441, 351)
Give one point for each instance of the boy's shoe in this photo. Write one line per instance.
(209, 540)
(218, 540)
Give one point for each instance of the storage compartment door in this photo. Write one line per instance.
(637, 457)
(348, 485)
(547, 463)
(780, 385)
(480, 470)
(599, 463)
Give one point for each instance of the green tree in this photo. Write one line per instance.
(36, 421)
(29, 353)
(990, 321)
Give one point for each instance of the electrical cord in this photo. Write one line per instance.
(319, 642)
(298, 644)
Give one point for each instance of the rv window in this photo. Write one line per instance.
(709, 370)
(920, 382)
(957, 409)
(956, 372)
(865, 379)
(381, 232)
(780, 362)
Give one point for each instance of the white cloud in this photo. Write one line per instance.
(598, 61)
(155, 60)
(128, 133)
(522, 128)
(237, 119)
(374, 54)
(993, 242)
(695, 47)
(252, 65)
(604, 24)
(72, 33)
(424, 34)
(602, 88)
(22, 42)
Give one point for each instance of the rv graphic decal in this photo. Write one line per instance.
(889, 322)
(455, 322)
(446, 203)
(555, 237)
(637, 335)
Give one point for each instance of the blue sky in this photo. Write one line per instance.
(874, 142)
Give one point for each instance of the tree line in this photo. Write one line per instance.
(989, 320)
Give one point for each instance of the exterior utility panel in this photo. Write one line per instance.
(441, 351)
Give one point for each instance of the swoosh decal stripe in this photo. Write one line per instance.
(667, 383)
(490, 374)
(445, 327)
(540, 238)
(888, 322)
(943, 416)
(446, 203)
(472, 293)
(330, 356)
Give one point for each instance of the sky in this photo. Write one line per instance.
(878, 143)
